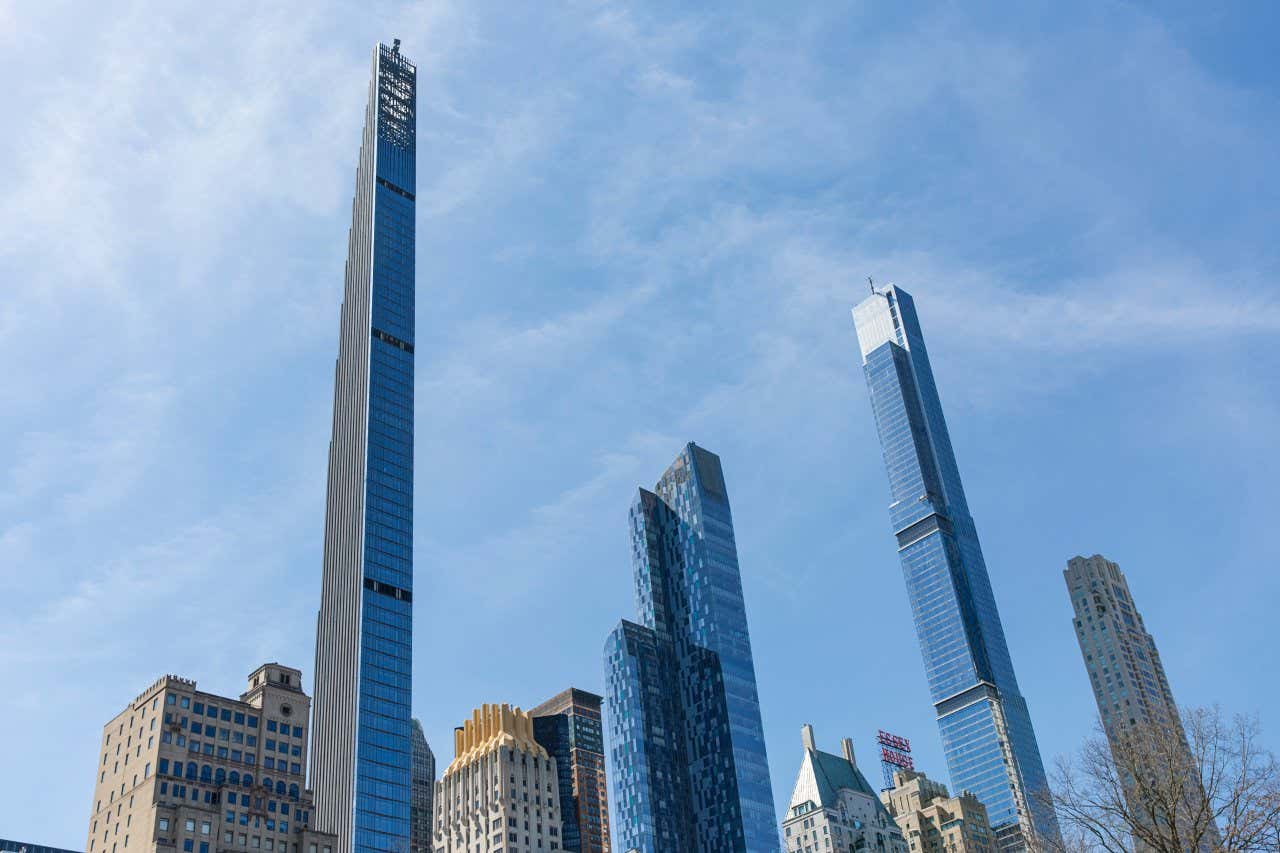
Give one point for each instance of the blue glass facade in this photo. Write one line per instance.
(687, 758)
(362, 753)
(569, 727)
(986, 729)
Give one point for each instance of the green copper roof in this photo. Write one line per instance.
(822, 777)
(834, 772)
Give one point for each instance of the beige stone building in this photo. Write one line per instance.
(185, 770)
(501, 792)
(931, 820)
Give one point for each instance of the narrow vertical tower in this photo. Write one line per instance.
(1124, 667)
(568, 727)
(687, 760)
(986, 729)
(1135, 703)
(361, 745)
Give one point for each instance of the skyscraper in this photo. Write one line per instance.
(1124, 667)
(424, 787)
(687, 758)
(1128, 679)
(1135, 703)
(362, 755)
(986, 729)
(568, 725)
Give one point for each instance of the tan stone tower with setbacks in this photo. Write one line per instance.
(500, 793)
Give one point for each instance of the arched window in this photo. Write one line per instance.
(206, 773)
(234, 778)
(280, 787)
(191, 770)
(248, 780)
(177, 769)
(266, 782)
(293, 791)
(219, 776)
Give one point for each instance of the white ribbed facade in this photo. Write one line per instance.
(501, 792)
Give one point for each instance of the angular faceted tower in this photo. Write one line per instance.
(687, 759)
(986, 729)
(361, 752)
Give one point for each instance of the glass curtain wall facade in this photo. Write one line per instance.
(362, 754)
(569, 727)
(986, 730)
(424, 787)
(687, 758)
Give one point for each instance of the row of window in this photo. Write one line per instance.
(224, 714)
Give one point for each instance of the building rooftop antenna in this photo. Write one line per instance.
(395, 45)
(871, 282)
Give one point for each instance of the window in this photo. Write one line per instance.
(163, 823)
(190, 825)
(204, 827)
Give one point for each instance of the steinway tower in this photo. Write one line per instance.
(361, 749)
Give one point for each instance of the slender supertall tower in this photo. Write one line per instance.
(687, 759)
(1124, 667)
(361, 749)
(1135, 703)
(986, 729)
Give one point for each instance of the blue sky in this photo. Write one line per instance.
(638, 225)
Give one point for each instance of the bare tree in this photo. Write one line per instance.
(1202, 784)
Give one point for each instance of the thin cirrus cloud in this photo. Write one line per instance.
(639, 226)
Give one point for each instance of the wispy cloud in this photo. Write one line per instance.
(639, 226)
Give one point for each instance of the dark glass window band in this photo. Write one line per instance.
(395, 189)
(393, 340)
(388, 590)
